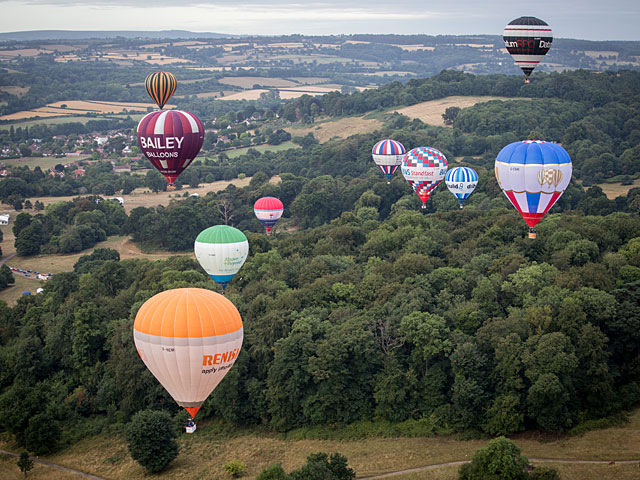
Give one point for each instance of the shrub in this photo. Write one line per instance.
(235, 468)
(273, 472)
(150, 438)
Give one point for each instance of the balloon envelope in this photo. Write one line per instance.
(461, 181)
(388, 154)
(170, 139)
(160, 87)
(527, 39)
(268, 210)
(424, 168)
(221, 250)
(533, 175)
(188, 338)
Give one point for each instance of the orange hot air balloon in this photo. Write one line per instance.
(188, 338)
(160, 86)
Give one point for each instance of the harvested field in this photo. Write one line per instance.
(601, 53)
(309, 80)
(15, 90)
(249, 82)
(391, 72)
(23, 52)
(246, 95)
(414, 48)
(81, 107)
(431, 112)
(286, 45)
(341, 128)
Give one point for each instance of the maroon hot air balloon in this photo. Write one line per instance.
(170, 140)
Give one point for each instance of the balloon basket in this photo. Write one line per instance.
(190, 429)
(460, 205)
(532, 233)
(423, 206)
(526, 80)
(388, 182)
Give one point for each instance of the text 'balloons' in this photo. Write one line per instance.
(188, 338)
(533, 175)
(170, 139)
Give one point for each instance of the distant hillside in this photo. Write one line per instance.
(86, 34)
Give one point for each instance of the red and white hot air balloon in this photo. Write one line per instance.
(170, 140)
(268, 210)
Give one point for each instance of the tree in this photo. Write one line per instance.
(428, 332)
(500, 460)
(155, 181)
(150, 439)
(24, 462)
(6, 277)
(320, 466)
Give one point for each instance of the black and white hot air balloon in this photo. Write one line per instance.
(527, 39)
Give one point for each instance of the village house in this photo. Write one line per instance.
(79, 172)
(122, 168)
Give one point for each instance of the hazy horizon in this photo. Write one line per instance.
(587, 19)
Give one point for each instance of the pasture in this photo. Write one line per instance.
(613, 190)
(340, 128)
(45, 163)
(249, 82)
(82, 107)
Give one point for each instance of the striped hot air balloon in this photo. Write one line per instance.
(424, 168)
(160, 87)
(188, 338)
(221, 250)
(461, 181)
(387, 154)
(268, 210)
(533, 175)
(170, 139)
(527, 39)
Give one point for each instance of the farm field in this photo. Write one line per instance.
(45, 163)
(81, 107)
(28, 122)
(431, 112)
(613, 190)
(340, 128)
(205, 453)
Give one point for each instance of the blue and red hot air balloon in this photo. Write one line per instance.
(533, 175)
(170, 140)
(268, 210)
(424, 168)
(387, 154)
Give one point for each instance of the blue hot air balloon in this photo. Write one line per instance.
(461, 181)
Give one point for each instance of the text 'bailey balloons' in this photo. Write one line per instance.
(424, 168)
(160, 87)
(461, 181)
(268, 210)
(527, 39)
(387, 154)
(221, 251)
(170, 140)
(188, 338)
(533, 175)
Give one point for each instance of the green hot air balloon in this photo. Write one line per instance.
(221, 250)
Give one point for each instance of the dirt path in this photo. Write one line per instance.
(8, 257)
(531, 459)
(59, 467)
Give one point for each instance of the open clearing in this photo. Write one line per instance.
(341, 128)
(81, 107)
(613, 190)
(431, 112)
(249, 82)
(204, 454)
(15, 90)
(45, 163)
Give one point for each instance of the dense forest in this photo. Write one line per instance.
(370, 312)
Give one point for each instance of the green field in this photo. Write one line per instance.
(67, 119)
(45, 163)
(260, 148)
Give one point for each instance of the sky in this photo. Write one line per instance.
(581, 19)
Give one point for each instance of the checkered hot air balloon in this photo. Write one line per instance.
(461, 181)
(424, 168)
(533, 175)
(388, 154)
(170, 139)
(527, 39)
(268, 210)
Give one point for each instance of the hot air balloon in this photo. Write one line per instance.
(160, 86)
(268, 210)
(388, 156)
(461, 181)
(188, 338)
(221, 250)
(527, 39)
(424, 168)
(170, 139)
(533, 175)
